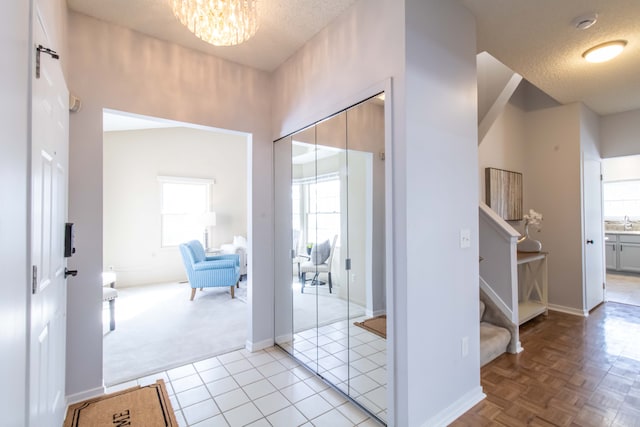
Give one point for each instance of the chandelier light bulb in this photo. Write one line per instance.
(218, 22)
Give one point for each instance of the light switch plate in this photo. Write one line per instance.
(465, 238)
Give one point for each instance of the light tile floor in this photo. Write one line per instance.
(360, 372)
(264, 388)
(624, 288)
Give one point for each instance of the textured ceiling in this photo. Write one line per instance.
(285, 25)
(538, 40)
(535, 38)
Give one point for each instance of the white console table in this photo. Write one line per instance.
(532, 277)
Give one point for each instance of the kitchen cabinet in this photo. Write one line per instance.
(629, 253)
(623, 252)
(611, 253)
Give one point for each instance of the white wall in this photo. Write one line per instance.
(435, 180)
(590, 145)
(620, 134)
(116, 68)
(133, 160)
(334, 69)
(504, 146)
(14, 264)
(493, 76)
(441, 159)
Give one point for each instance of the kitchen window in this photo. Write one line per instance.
(621, 199)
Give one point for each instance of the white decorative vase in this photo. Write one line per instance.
(527, 244)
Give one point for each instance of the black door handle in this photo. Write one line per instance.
(73, 273)
(589, 242)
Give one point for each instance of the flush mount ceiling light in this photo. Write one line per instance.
(605, 51)
(218, 22)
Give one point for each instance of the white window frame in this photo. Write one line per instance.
(195, 216)
(308, 235)
(629, 199)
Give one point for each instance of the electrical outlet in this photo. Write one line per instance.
(465, 238)
(464, 346)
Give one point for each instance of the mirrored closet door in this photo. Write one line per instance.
(330, 300)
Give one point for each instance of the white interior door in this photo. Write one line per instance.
(593, 234)
(49, 159)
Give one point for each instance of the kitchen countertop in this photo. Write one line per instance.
(622, 232)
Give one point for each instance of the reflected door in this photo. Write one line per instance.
(283, 245)
(366, 243)
(332, 287)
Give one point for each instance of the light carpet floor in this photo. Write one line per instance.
(158, 328)
(624, 288)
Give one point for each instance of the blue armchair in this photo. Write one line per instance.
(208, 272)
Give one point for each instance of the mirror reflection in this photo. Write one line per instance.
(330, 220)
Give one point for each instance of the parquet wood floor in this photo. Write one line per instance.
(573, 371)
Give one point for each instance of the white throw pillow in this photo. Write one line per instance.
(240, 241)
(320, 252)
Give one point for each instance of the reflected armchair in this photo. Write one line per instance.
(317, 265)
(209, 272)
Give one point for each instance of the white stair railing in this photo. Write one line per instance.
(499, 268)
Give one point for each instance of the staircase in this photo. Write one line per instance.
(494, 339)
(498, 287)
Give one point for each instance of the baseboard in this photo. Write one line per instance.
(456, 409)
(88, 394)
(569, 310)
(371, 313)
(283, 339)
(257, 346)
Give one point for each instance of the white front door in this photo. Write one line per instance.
(593, 234)
(49, 159)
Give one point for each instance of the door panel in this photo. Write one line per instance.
(594, 258)
(49, 159)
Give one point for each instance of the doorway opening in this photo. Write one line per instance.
(166, 183)
(621, 200)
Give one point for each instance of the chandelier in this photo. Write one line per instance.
(219, 22)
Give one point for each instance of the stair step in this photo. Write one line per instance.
(482, 308)
(493, 341)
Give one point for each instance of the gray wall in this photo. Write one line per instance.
(554, 177)
(14, 79)
(116, 68)
(620, 134)
(434, 164)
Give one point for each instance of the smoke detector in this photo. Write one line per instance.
(585, 21)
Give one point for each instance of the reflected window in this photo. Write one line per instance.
(316, 208)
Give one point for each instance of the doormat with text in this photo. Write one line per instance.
(147, 406)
